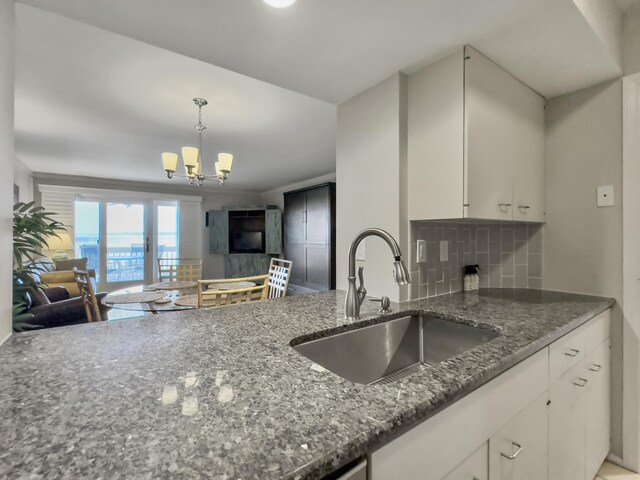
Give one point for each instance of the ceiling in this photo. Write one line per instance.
(627, 4)
(104, 86)
(334, 49)
(93, 103)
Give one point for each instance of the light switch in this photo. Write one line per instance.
(444, 251)
(361, 252)
(605, 196)
(421, 253)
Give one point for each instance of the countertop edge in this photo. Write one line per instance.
(378, 439)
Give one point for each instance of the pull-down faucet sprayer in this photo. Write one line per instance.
(355, 296)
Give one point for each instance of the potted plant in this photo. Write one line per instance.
(32, 227)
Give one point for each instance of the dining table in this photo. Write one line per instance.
(162, 301)
(167, 296)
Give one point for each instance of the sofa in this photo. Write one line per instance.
(54, 307)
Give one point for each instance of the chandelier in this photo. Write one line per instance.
(192, 158)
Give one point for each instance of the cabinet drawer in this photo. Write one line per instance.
(475, 467)
(569, 350)
(434, 448)
(519, 450)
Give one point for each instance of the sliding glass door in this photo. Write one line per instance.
(87, 234)
(112, 236)
(166, 232)
(122, 239)
(127, 244)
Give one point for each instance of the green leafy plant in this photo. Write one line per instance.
(32, 227)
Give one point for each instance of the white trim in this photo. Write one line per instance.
(631, 274)
(96, 193)
(330, 177)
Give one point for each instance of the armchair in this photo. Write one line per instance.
(62, 309)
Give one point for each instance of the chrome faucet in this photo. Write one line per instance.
(355, 296)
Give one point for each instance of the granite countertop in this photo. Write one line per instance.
(219, 393)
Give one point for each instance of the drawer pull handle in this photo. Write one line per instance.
(595, 367)
(572, 352)
(524, 207)
(514, 454)
(581, 382)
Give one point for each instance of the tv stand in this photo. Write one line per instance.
(247, 236)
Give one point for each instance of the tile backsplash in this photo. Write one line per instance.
(509, 255)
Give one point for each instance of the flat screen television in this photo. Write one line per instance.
(247, 242)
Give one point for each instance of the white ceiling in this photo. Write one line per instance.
(627, 4)
(334, 49)
(100, 102)
(90, 102)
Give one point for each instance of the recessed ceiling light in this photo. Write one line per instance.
(280, 3)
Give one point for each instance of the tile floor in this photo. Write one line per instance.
(609, 471)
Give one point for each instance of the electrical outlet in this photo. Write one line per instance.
(444, 251)
(421, 251)
(361, 252)
(605, 196)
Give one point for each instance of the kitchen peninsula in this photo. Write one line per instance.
(220, 393)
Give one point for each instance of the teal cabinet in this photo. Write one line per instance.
(219, 232)
(266, 219)
(273, 232)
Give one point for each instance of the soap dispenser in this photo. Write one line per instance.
(471, 278)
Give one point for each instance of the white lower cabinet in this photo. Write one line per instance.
(519, 450)
(598, 408)
(567, 428)
(475, 467)
(579, 422)
(546, 418)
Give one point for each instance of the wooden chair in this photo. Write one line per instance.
(91, 307)
(274, 285)
(179, 269)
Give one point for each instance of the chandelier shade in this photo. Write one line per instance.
(169, 161)
(226, 161)
(192, 158)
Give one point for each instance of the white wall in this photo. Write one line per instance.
(7, 16)
(275, 196)
(23, 179)
(631, 41)
(370, 166)
(582, 243)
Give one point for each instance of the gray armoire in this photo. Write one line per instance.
(310, 238)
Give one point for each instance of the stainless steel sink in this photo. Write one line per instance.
(393, 349)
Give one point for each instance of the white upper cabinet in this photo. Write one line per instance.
(475, 142)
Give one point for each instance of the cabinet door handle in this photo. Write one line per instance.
(572, 352)
(504, 207)
(514, 454)
(595, 367)
(524, 207)
(581, 382)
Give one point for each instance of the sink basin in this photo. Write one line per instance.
(391, 350)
